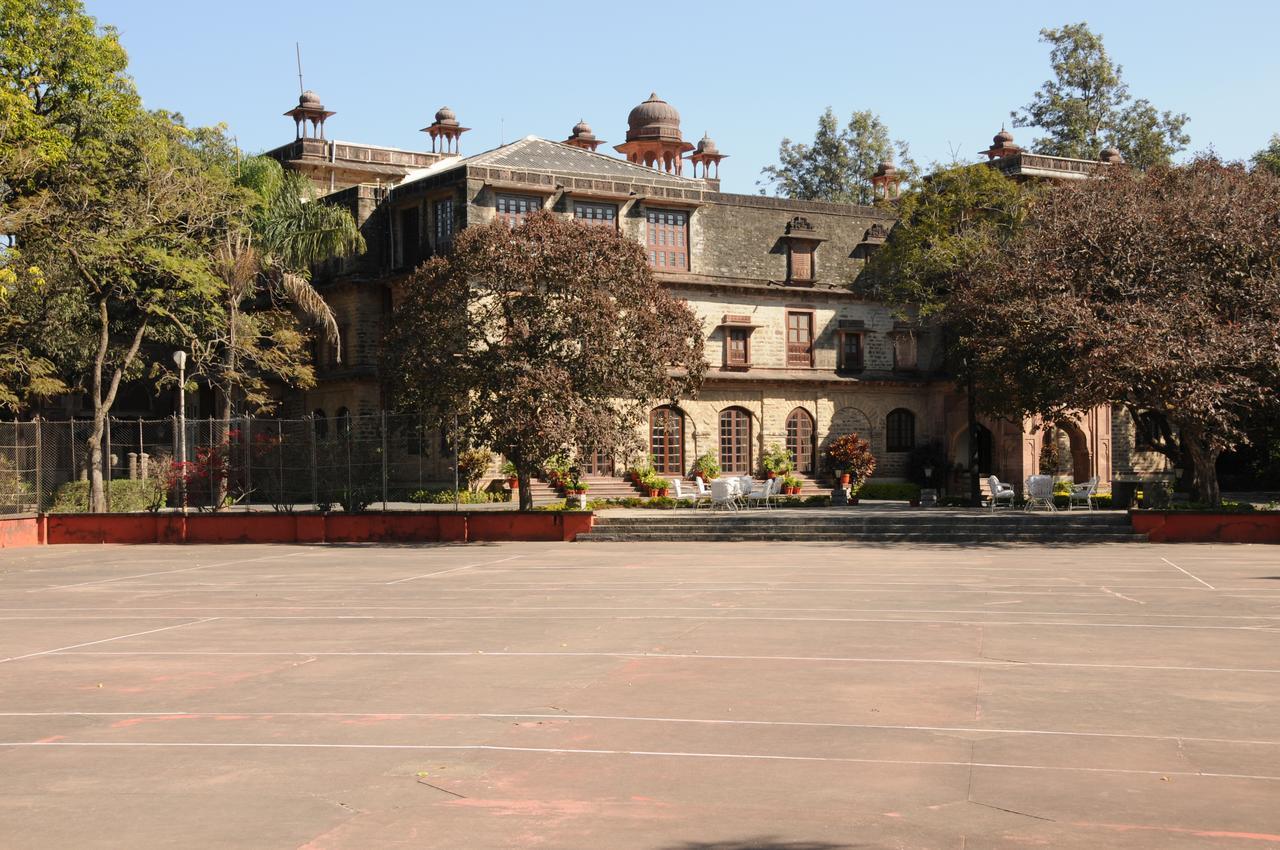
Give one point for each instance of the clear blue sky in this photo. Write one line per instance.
(943, 76)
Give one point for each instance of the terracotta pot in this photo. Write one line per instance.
(662, 494)
(772, 474)
(653, 491)
(795, 491)
(513, 483)
(844, 478)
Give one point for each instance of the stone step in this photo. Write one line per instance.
(606, 536)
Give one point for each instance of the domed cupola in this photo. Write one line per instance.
(1002, 145)
(583, 137)
(445, 130)
(708, 156)
(653, 136)
(309, 111)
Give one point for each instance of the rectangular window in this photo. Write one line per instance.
(514, 209)
(799, 339)
(904, 350)
(737, 350)
(444, 223)
(801, 262)
(667, 240)
(850, 351)
(410, 239)
(601, 215)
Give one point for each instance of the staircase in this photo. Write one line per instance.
(543, 493)
(865, 525)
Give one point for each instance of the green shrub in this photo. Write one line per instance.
(465, 497)
(707, 465)
(888, 490)
(126, 496)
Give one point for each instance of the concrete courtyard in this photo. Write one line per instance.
(640, 696)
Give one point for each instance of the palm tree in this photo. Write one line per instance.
(266, 260)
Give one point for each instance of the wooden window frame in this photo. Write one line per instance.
(900, 437)
(842, 362)
(898, 337)
(661, 462)
(610, 221)
(515, 218)
(795, 441)
(658, 250)
(729, 332)
(809, 249)
(792, 359)
(442, 209)
(739, 443)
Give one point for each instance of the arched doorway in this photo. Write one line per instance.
(666, 440)
(735, 441)
(1081, 468)
(800, 436)
(986, 449)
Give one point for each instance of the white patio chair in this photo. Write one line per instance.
(1001, 492)
(704, 492)
(1082, 494)
(681, 495)
(1040, 493)
(745, 485)
(764, 494)
(723, 494)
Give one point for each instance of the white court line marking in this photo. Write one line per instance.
(450, 715)
(679, 656)
(166, 572)
(655, 753)
(888, 620)
(106, 640)
(454, 570)
(539, 608)
(1184, 572)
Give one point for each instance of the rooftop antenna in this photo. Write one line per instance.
(297, 48)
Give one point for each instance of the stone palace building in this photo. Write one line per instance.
(798, 353)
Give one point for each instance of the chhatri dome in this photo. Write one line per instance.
(653, 136)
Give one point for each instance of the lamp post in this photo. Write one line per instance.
(180, 358)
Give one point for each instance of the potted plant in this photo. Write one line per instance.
(706, 467)
(776, 461)
(654, 484)
(852, 456)
(791, 485)
(513, 480)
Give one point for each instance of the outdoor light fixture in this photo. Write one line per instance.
(180, 358)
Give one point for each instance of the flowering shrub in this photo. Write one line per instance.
(852, 455)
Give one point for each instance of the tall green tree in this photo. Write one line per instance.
(550, 338)
(1268, 159)
(1086, 106)
(838, 164)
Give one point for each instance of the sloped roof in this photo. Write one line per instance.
(534, 154)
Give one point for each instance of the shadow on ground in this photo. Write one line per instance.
(763, 843)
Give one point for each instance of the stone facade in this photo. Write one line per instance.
(752, 267)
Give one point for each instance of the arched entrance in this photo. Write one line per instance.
(986, 450)
(800, 436)
(1081, 468)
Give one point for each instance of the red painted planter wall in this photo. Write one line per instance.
(1196, 527)
(19, 531)
(397, 526)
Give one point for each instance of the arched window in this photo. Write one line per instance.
(735, 440)
(900, 431)
(666, 440)
(800, 432)
(343, 423)
(320, 423)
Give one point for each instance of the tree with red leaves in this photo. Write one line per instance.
(1158, 292)
(546, 338)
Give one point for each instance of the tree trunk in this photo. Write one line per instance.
(1205, 461)
(526, 494)
(97, 489)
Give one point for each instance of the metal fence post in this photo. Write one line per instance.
(248, 464)
(39, 467)
(106, 460)
(315, 481)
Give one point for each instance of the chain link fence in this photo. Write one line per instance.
(353, 463)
